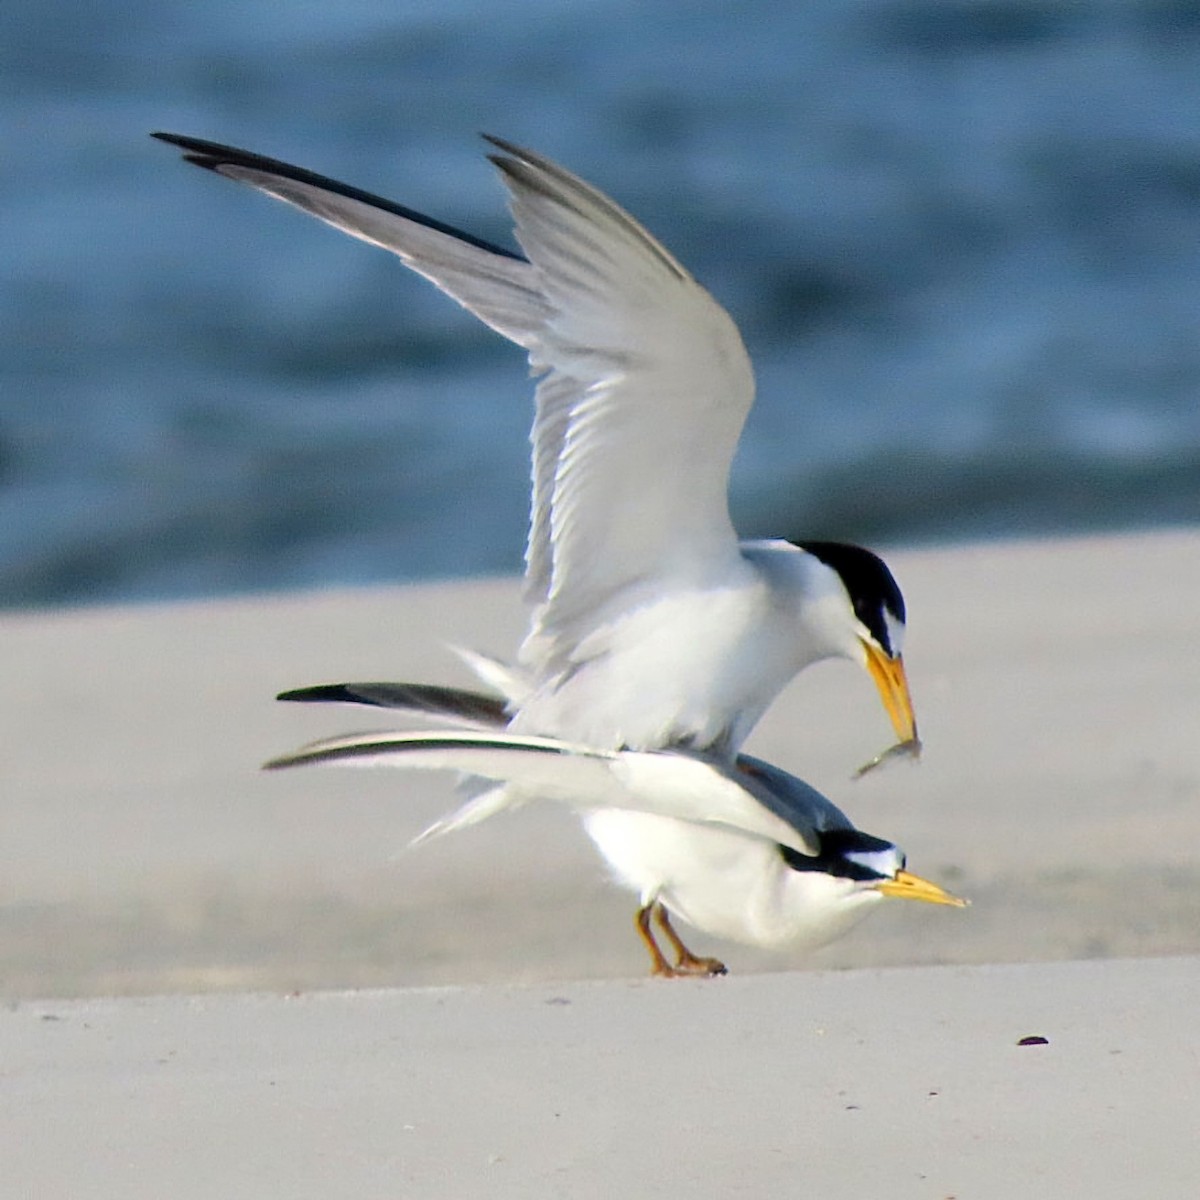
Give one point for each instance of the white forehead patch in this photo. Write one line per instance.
(885, 862)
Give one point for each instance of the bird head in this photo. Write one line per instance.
(868, 865)
(863, 620)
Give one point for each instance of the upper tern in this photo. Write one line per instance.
(740, 850)
(652, 625)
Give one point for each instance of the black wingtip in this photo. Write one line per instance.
(324, 693)
(504, 145)
(211, 156)
(477, 707)
(197, 146)
(231, 161)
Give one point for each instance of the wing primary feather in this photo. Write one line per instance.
(459, 703)
(212, 156)
(524, 168)
(682, 786)
(377, 745)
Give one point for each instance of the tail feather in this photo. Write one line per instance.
(509, 680)
(477, 809)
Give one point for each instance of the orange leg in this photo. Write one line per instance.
(686, 963)
(658, 964)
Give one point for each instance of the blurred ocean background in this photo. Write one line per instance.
(961, 239)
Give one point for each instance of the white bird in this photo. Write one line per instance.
(652, 625)
(740, 850)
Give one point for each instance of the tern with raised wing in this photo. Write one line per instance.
(652, 625)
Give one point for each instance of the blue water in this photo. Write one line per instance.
(962, 241)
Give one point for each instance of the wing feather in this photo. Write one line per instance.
(495, 284)
(687, 787)
(638, 421)
(646, 384)
(475, 709)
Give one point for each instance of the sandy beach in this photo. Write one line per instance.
(910, 1083)
(143, 853)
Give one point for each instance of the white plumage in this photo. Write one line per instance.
(740, 850)
(651, 624)
(652, 627)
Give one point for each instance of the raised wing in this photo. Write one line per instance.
(498, 286)
(646, 384)
(637, 421)
(687, 787)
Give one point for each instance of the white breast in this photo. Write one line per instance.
(692, 666)
(726, 885)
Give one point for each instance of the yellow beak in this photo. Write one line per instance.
(892, 683)
(912, 887)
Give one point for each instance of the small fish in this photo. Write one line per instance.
(909, 749)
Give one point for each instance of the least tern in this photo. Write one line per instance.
(740, 850)
(652, 625)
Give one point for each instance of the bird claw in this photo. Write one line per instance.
(686, 963)
(703, 968)
(691, 965)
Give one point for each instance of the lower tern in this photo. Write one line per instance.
(652, 626)
(739, 850)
